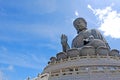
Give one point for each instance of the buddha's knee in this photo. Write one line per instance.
(97, 43)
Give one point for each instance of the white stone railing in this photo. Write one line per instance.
(83, 61)
(83, 71)
(83, 57)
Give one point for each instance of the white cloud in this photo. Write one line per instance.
(7, 68)
(2, 76)
(23, 60)
(10, 67)
(76, 13)
(109, 21)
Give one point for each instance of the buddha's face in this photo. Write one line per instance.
(80, 24)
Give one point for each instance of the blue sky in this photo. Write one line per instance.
(30, 31)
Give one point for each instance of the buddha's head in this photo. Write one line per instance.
(80, 24)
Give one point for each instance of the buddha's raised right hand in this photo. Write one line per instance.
(64, 39)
